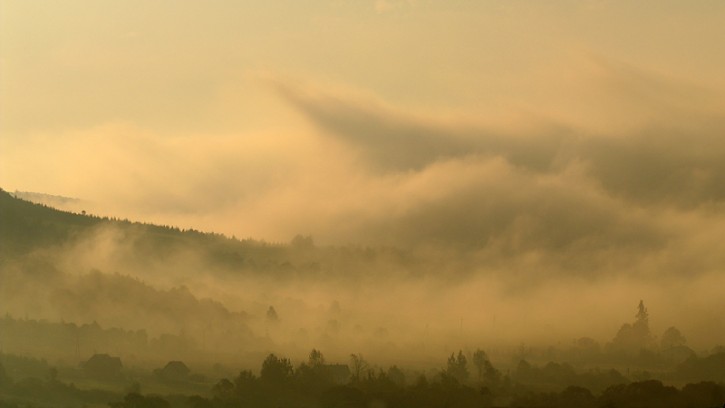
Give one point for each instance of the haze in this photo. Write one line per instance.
(545, 165)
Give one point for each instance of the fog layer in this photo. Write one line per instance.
(493, 173)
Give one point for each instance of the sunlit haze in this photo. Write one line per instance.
(458, 174)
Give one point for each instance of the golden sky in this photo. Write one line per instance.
(530, 139)
(369, 121)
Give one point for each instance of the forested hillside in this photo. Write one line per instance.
(99, 310)
(28, 227)
(210, 291)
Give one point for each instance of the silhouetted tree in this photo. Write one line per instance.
(302, 242)
(672, 338)
(636, 336)
(396, 375)
(421, 382)
(479, 361)
(316, 359)
(359, 366)
(642, 314)
(314, 375)
(641, 325)
(223, 390)
(487, 373)
(246, 382)
(525, 372)
(457, 367)
(272, 315)
(276, 371)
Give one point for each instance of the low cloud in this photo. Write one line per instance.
(575, 197)
(349, 168)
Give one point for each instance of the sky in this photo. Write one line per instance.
(578, 141)
(536, 126)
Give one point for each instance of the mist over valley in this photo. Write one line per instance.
(374, 203)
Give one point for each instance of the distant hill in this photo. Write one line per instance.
(76, 268)
(26, 227)
(39, 277)
(140, 315)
